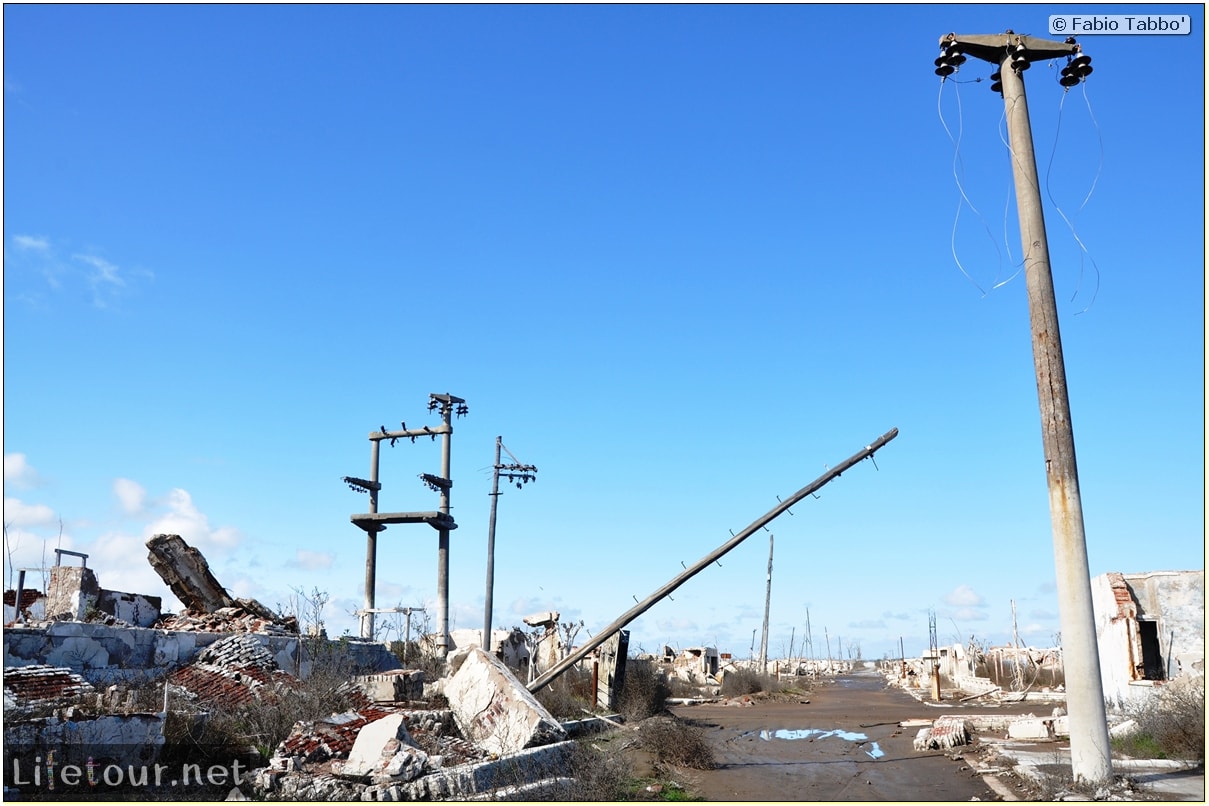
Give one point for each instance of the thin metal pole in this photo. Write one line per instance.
(1091, 751)
(767, 603)
(670, 587)
(371, 547)
(495, 497)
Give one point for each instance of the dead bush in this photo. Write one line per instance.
(1171, 724)
(600, 772)
(676, 743)
(738, 682)
(567, 696)
(644, 692)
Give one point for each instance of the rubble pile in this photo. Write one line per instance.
(227, 619)
(38, 685)
(233, 671)
(946, 732)
(208, 606)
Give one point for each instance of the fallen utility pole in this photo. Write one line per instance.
(646, 604)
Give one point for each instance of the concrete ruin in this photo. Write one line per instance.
(79, 687)
(187, 574)
(1150, 629)
(698, 665)
(74, 594)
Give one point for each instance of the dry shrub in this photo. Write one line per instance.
(599, 774)
(567, 696)
(644, 692)
(676, 743)
(1171, 724)
(737, 682)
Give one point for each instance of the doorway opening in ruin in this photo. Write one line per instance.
(1152, 656)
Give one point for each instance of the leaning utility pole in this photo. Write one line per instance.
(767, 602)
(1091, 752)
(521, 474)
(680, 579)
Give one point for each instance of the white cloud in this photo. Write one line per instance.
(963, 596)
(31, 242)
(131, 495)
(311, 560)
(184, 519)
(867, 624)
(105, 272)
(969, 614)
(18, 513)
(18, 471)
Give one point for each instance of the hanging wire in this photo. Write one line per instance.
(1084, 254)
(964, 199)
(1007, 208)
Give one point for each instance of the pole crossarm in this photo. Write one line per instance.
(377, 521)
(994, 48)
(636, 611)
(405, 433)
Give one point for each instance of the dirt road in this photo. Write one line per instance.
(844, 745)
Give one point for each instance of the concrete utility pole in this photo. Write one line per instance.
(1091, 752)
(374, 521)
(767, 603)
(704, 562)
(515, 472)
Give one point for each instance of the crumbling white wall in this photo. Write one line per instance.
(103, 654)
(1174, 600)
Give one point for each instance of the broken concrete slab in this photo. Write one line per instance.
(186, 572)
(946, 732)
(374, 738)
(398, 685)
(494, 709)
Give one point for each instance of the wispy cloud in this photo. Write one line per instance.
(18, 472)
(18, 513)
(964, 596)
(40, 256)
(311, 560)
(31, 242)
(131, 495)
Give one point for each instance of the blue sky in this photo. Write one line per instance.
(681, 258)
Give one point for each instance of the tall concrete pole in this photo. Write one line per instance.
(495, 497)
(371, 548)
(1091, 752)
(442, 648)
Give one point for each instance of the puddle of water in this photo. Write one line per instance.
(768, 735)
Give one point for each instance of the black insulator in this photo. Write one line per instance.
(945, 70)
(1068, 79)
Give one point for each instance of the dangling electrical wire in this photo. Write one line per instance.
(1084, 254)
(1007, 207)
(958, 172)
